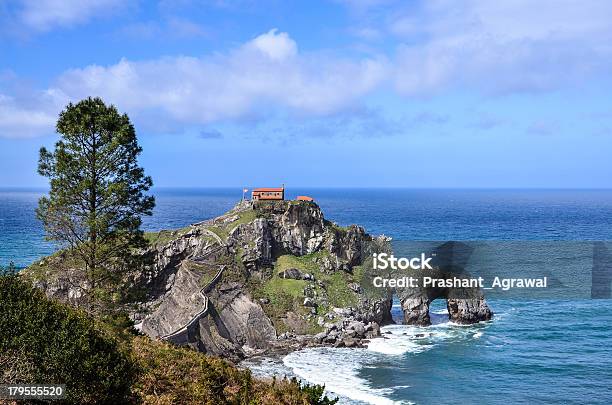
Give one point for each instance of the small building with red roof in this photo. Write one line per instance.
(268, 193)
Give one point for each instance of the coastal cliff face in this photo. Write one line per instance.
(264, 277)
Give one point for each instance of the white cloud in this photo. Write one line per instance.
(19, 120)
(277, 46)
(266, 72)
(501, 46)
(262, 76)
(43, 15)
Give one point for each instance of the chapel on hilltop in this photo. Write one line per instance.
(268, 193)
(274, 194)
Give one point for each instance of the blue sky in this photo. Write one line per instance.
(435, 93)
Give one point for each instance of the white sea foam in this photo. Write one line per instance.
(400, 339)
(338, 370)
(266, 367)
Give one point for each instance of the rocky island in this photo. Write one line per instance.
(265, 277)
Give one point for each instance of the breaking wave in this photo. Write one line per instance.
(339, 369)
(344, 371)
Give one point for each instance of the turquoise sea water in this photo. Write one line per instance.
(534, 351)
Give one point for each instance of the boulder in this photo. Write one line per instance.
(309, 302)
(468, 311)
(331, 337)
(350, 342)
(358, 327)
(356, 288)
(319, 337)
(292, 273)
(372, 330)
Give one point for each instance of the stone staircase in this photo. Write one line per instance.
(181, 335)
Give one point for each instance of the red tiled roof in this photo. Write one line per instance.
(268, 189)
(304, 198)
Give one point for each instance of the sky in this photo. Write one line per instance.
(338, 93)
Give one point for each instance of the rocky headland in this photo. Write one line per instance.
(266, 277)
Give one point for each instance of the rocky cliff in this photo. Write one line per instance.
(265, 276)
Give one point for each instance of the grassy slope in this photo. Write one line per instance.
(174, 375)
(286, 295)
(164, 236)
(244, 217)
(51, 266)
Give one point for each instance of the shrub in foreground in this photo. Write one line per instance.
(43, 341)
(176, 375)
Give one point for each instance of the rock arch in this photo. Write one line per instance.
(460, 310)
(466, 305)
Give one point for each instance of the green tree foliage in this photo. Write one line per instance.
(316, 395)
(9, 270)
(43, 341)
(98, 191)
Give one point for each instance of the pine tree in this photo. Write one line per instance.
(98, 192)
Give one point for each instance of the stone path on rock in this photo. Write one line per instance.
(180, 335)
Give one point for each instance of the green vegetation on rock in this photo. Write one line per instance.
(164, 236)
(335, 284)
(285, 295)
(244, 217)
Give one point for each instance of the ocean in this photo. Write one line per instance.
(535, 350)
